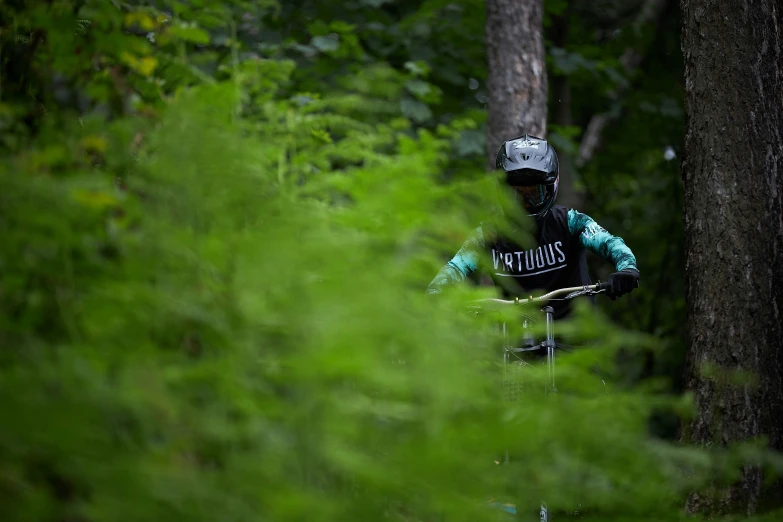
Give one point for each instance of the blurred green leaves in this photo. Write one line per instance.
(212, 271)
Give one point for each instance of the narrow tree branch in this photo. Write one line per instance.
(591, 138)
(651, 12)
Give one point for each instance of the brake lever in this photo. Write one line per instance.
(584, 291)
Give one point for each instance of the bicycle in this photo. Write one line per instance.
(512, 361)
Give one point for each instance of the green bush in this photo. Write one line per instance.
(212, 308)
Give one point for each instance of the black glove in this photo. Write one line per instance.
(621, 283)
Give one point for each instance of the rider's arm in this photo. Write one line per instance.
(596, 239)
(461, 265)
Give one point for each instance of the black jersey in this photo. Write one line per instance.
(558, 260)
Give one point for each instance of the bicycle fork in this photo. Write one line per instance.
(549, 388)
(549, 344)
(549, 385)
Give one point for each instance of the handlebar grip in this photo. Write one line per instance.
(603, 286)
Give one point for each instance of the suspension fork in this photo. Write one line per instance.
(549, 344)
(506, 362)
(549, 388)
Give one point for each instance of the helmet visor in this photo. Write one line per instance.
(527, 177)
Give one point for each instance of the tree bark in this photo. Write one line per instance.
(516, 75)
(733, 178)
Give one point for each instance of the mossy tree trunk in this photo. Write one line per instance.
(733, 179)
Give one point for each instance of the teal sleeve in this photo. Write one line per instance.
(596, 239)
(461, 265)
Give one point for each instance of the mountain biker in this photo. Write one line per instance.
(532, 173)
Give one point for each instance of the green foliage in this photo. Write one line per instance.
(215, 246)
(237, 355)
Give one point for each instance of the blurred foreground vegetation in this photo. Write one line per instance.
(212, 274)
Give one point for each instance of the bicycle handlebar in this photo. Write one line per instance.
(579, 290)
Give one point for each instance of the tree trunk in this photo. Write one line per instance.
(733, 178)
(516, 75)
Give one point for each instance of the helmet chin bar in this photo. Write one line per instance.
(544, 208)
(517, 201)
(529, 211)
(541, 213)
